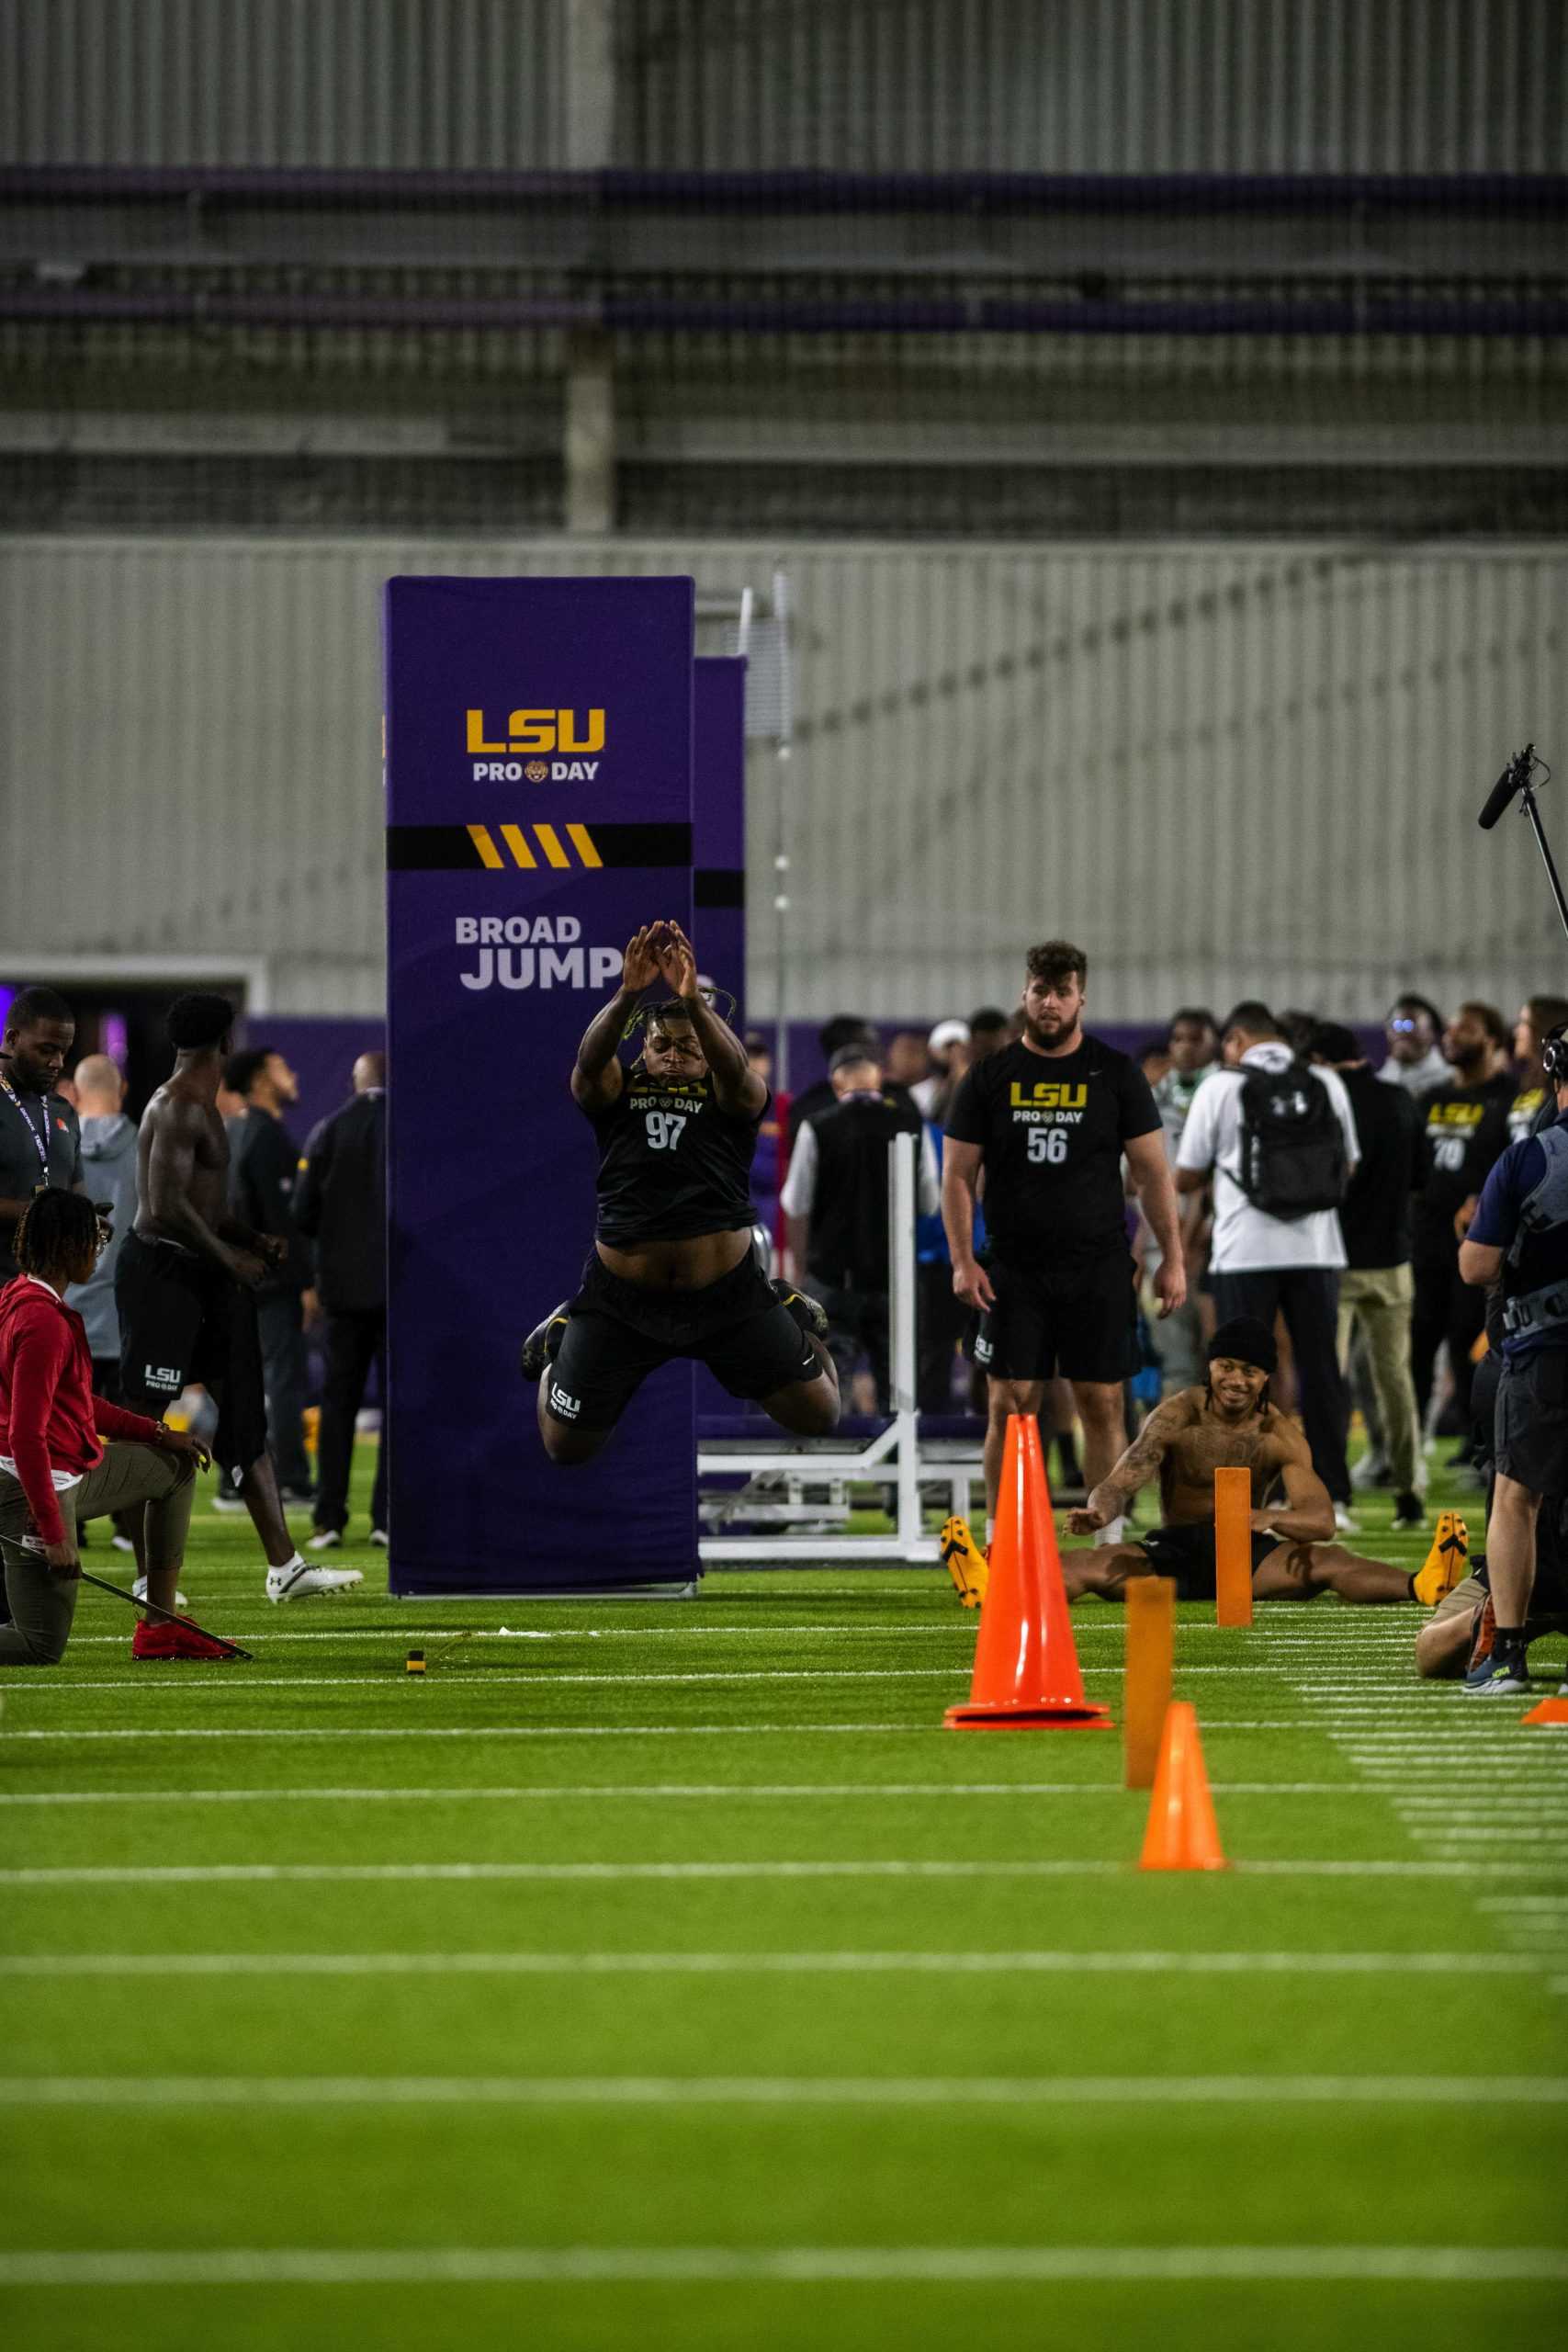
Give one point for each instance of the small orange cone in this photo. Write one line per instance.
(1182, 1834)
(1026, 1669)
(1550, 1711)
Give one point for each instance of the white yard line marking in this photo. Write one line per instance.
(959, 1630)
(955, 2091)
(355, 1873)
(293, 1733)
(786, 2265)
(67, 1685)
(771, 1963)
(717, 1789)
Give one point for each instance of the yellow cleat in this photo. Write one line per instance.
(965, 1562)
(1447, 1563)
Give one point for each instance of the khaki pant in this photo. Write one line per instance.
(1380, 1298)
(43, 1604)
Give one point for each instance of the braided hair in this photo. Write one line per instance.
(54, 1231)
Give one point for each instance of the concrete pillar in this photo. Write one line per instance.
(589, 407)
(590, 430)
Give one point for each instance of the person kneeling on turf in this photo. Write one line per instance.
(673, 1271)
(55, 1470)
(1229, 1423)
(1462, 1630)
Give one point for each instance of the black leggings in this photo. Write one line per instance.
(1447, 1309)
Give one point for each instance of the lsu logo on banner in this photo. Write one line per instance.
(511, 756)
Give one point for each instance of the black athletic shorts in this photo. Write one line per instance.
(1531, 1426)
(617, 1332)
(1081, 1322)
(1187, 1553)
(183, 1320)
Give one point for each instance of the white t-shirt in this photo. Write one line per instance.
(1419, 1078)
(1248, 1241)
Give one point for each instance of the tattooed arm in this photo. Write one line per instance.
(1307, 1514)
(1137, 1467)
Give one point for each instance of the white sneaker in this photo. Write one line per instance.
(1346, 1522)
(139, 1590)
(379, 1537)
(1371, 1470)
(329, 1540)
(299, 1584)
(226, 1502)
(122, 1543)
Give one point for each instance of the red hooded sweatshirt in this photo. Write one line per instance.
(50, 1419)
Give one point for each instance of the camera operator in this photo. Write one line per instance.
(1520, 1234)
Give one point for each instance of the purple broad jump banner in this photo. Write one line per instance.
(539, 809)
(718, 825)
(719, 853)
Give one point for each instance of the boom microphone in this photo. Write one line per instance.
(1508, 784)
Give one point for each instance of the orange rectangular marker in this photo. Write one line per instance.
(1233, 1547)
(1145, 1684)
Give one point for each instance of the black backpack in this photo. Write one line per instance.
(1293, 1147)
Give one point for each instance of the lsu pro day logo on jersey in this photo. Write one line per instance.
(1047, 1109)
(512, 755)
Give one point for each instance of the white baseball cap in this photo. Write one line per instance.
(948, 1033)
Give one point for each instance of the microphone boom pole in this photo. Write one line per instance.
(1519, 779)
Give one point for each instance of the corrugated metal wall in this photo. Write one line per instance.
(1220, 769)
(1066, 86)
(1096, 86)
(423, 83)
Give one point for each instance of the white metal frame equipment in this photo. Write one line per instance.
(891, 1459)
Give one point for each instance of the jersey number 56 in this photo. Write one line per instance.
(1049, 1144)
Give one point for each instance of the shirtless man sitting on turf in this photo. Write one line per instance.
(1186, 1440)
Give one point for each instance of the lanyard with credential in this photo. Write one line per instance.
(41, 1142)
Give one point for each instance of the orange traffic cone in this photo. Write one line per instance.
(1026, 1669)
(1550, 1711)
(1182, 1834)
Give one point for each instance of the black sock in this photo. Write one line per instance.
(1509, 1643)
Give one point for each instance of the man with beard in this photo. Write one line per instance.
(1047, 1121)
(1231, 1423)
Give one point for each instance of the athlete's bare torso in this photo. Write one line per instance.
(177, 1111)
(1204, 1442)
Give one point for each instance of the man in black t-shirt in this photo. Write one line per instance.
(1466, 1126)
(1046, 1121)
(673, 1270)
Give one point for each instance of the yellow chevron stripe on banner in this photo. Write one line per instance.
(516, 841)
(546, 835)
(489, 853)
(581, 841)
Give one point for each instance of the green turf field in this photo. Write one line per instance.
(670, 1977)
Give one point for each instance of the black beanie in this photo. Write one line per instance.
(1248, 1340)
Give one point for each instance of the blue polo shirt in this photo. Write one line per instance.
(1545, 1255)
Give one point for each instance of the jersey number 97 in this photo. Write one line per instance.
(664, 1129)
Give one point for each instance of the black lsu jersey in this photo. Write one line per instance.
(671, 1164)
(1051, 1128)
(1466, 1130)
